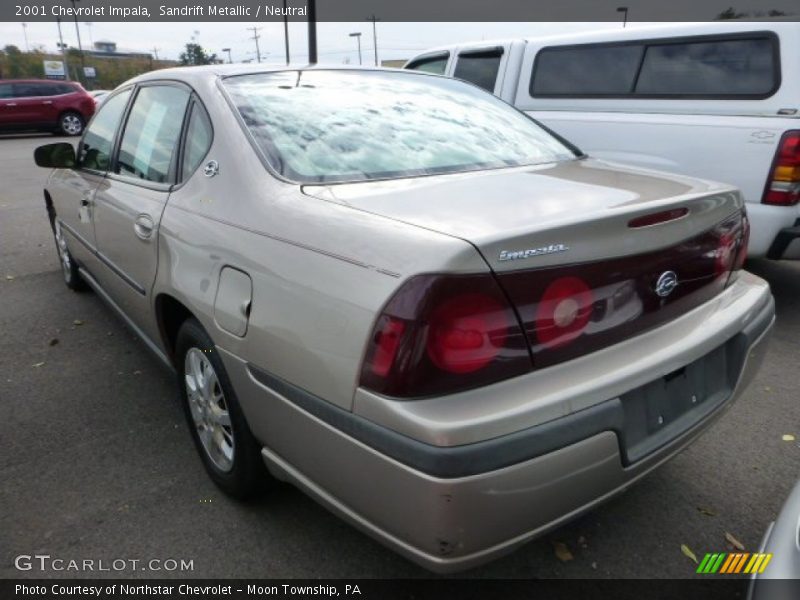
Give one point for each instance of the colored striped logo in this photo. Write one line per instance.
(727, 563)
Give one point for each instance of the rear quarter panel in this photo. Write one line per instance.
(320, 271)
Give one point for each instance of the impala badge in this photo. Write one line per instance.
(530, 252)
(667, 282)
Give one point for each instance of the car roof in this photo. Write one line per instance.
(615, 33)
(36, 81)
(204, 72)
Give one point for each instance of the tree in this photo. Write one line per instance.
(730, 13)
(195, 55)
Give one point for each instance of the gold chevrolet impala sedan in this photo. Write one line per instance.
(433, 315)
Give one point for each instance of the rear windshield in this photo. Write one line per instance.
(332, 126)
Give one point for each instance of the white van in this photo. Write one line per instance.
(715, 100)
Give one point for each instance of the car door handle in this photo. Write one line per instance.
(143, 227)
(47, 102)
(11, 104)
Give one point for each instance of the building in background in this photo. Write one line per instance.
(108, 49)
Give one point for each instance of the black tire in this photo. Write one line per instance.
(246, 474)
(69, 267)
(71, 123)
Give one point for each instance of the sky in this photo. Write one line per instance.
(395, 40)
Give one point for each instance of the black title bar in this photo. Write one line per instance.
(392, 10)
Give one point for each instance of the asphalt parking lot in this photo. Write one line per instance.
(97, 462)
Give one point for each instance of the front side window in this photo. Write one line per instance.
(479, 67)
(152, 132)
(339, 125)
(435, 65)
(97, 142)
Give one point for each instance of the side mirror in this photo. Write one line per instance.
(55, 156)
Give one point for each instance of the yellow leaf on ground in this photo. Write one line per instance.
(562, 552)
(788, 437)
(687, 552)
(734, 542)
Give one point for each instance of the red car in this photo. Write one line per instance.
(44, 105)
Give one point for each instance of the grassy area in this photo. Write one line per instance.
(15, 64)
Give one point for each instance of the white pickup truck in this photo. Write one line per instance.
(717, 100)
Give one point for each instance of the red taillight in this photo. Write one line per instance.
(466, 333)
(387, 340)
(563, 311)
(659, 217)
(783, 184)
(444, 333)
(744, 241)
(726, 252)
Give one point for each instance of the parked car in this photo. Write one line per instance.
(778, 575)
(444, 323)
(99, 96)
(43, 105)
(718, 101)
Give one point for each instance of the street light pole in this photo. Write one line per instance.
(312, 32)
(25, 33)
(228, 50)
(63, 47)
(374, 20)
(286, 30)
(624, 11)
(78, 32)
(357, 35)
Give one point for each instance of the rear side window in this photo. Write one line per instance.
(34, 89)
(152, 133)
(98, 140)
(436, 64)
(744, 66)
(578, 71)
(479, 67)
(6, 91)
(198, 141)
(733, 67)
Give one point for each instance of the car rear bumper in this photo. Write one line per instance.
(454, 507)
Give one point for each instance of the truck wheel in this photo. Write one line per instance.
(230, 452)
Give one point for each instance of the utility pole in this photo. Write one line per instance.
(286, 30)
(374, 20)
(78, 31)
(63, 47)
(25, 33)
(357, 35)
(255, 37)
(228, 50)
(155, 52)
(312, 32)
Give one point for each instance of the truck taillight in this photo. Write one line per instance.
(441, 334)
(783, 184)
